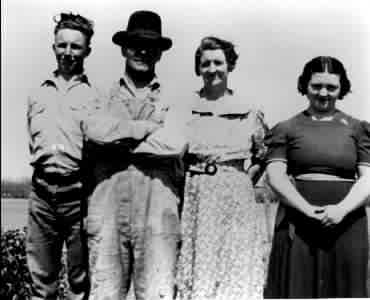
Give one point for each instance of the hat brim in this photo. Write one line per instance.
(121, 38)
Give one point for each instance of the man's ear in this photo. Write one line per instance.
(123, 51)
(88, 51)
(159, 56)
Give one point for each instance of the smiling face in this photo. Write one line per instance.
(142, 56)
(70, 48)
(213, 68)
(323, 91)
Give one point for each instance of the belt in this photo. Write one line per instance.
(212, 168)
(58, 178)
(322, 177)
(57, 183)
(55, 188)
(206, 168)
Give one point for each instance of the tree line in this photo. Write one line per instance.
(21, 188)
(15, 188)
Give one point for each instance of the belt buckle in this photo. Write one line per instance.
(208, 169)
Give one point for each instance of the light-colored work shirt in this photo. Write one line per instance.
(127, 112)
(55, 112)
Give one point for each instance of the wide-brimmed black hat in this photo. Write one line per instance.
(143, 25)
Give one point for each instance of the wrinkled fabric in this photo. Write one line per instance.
(133, 221)
(125, 118)
(54, 113)
(133, 229)
(54, 219)
(54, 116)
(224, 237)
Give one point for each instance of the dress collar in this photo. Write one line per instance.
(230, 104)
(326, 118)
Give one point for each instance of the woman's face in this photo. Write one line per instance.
(213, 67)
(323, 91)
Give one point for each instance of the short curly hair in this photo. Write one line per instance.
(76, 22)
(321, 64)
(214, 43)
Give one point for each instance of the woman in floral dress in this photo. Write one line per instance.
(223, 228)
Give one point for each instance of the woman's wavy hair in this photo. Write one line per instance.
(321, 64)
(76, 22)
(214, 43)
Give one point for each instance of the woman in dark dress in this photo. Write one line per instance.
(320, 247)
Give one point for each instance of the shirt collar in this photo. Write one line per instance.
(153, 86)
(76, 80)
(228, 92)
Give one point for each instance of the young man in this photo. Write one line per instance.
(133, 221)
(55, 111)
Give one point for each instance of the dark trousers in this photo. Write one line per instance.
(54, 219)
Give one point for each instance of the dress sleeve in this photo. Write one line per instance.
(276, 141)
(363, 144)
(259, 149)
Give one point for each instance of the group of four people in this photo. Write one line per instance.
(115, 173)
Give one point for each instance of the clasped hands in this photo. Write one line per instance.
(328, 216)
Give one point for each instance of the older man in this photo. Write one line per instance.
(133, 222)
(55, 111)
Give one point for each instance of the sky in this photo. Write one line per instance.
(274, 39)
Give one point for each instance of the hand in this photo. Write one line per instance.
(254, 173)
(334, 214)
(143, 128)
(315, 212)
(159, 116)
(253, 170)
(212, 158)
(220, 155)
(150, 127)
(207, 157)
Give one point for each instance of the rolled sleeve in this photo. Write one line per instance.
(107, 129)
(105, 124)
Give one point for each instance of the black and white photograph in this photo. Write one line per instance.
(185, 150)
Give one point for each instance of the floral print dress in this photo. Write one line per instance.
(223, 228)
